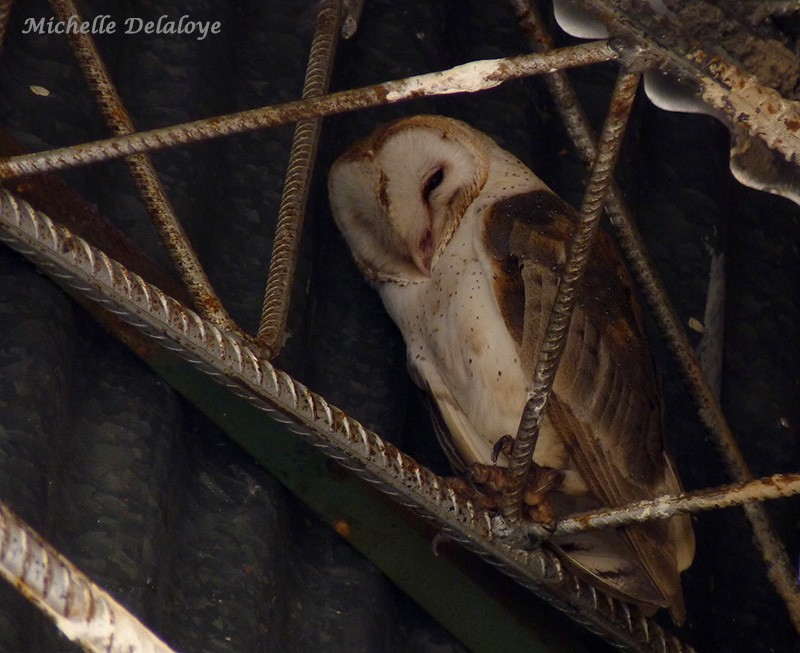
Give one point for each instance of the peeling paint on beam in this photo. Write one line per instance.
(728, 89)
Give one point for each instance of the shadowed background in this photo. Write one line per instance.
(149, 498)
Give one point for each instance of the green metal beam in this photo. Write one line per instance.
(483, 608)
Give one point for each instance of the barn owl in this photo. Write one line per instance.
(465, 246)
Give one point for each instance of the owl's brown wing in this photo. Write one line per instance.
(606, 402)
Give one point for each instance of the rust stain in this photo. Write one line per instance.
(342, 528)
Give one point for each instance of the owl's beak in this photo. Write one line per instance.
(422, 253)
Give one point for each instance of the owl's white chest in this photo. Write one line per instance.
(459, 345)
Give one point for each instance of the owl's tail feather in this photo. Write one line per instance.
(606, 560)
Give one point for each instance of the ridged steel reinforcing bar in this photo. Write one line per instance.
(151, 190)
(466, 78)
(82, 611)
(72, 259)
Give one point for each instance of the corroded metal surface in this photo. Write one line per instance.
(555, 338)
(84, 612)
(772, 62)
(275, 311)
(466, 78)
(341, 437)
(144, 174)
(728, 89)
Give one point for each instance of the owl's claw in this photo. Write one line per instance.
(485, 485)
(504, 446)
(541, 481)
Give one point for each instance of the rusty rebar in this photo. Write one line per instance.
(83, 611)
(74, 261)
(151, 191)
(466, 78)
(5, 16)
(297, 184)
(725, 496)
(561, 314)
(779, 568)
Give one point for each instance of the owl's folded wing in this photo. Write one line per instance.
(606, 404)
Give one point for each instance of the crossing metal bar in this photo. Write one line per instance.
(466, 78)
(83, 611)
(155, 199)
(555, 338)
(737, 494)
(297, 185)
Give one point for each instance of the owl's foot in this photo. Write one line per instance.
(541, 481)
(486, 483)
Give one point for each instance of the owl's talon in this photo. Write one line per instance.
(468, 489)
(488, 476)
(504, 446)
(488, 482)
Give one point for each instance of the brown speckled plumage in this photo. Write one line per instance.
(473, 315)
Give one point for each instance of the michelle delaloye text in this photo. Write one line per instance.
(104, 24)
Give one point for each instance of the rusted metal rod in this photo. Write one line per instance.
(559, 320)
(466, 78)
(74, 261)
(5, 16)
(296, 187)
(762, 489)
(779, 568)
(152, 192)
(83, 611)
